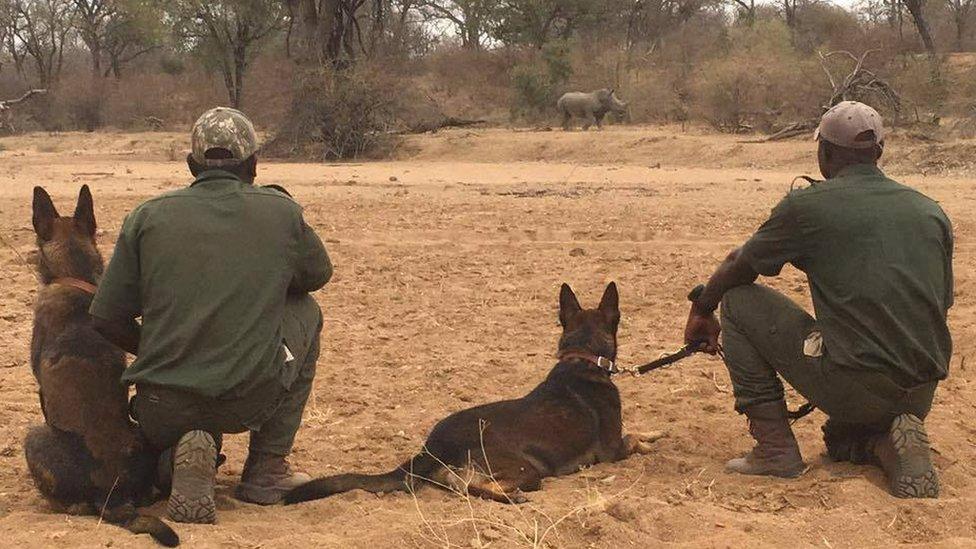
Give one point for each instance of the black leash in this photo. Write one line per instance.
(667, 359)
(698, 347)
(680, 354)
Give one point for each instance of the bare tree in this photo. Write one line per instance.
(648, 21)
(916, 8)
(129, 36)
(92, 18)
(336, 32)
(790, 10)
(748, 10)
(316, 31)
(229, 33)
(8, 39)
(470, 18)
(961, 11)
(39, 29)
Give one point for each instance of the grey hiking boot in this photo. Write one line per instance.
(267, 478)
(904, 454)
(194, 468)
(164, 468)
(776, 453)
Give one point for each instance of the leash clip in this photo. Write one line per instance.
(607, 364)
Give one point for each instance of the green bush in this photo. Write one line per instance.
(538, 80)
(761, 81)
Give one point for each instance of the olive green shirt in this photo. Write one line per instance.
(208, 268)
(878, 257)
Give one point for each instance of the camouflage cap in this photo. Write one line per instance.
(851, 124)
(223, 128)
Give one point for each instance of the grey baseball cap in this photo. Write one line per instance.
(851, 124)
(223, 128)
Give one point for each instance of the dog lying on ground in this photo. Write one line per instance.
(500, 450)
(88, 458)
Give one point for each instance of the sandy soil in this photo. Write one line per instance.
(448, 262)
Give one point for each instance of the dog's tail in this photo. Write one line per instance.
(129, 518)
(401, 479)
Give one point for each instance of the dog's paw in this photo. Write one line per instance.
(640, 443)
(517, 497)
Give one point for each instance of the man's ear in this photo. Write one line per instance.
(85, 211)
(253, 168)
(568, 304)
(610, 303)
(195, 168)
(44, 214)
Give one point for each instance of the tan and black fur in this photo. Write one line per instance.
(88, 457)
(499, 450)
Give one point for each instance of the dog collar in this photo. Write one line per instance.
(601, 362)
(76, 283)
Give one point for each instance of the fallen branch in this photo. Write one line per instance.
(792, 130)
(4, 105)
(5, 108)
(446, 122)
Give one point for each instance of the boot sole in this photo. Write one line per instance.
(914, 476)
(261, 495)
(266, 495)
(742, 467)
(194, 468)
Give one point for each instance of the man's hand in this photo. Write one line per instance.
(703, 328)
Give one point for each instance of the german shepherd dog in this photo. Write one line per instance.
(502, 449)
(89, 458)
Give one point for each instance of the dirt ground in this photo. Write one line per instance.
(448, 263)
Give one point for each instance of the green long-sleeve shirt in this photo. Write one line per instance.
(878, 256)
(208, 268)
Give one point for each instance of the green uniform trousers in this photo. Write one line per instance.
(272, 413)
(765, 337)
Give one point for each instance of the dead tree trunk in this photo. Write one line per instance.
(915, 7)
(858, 83)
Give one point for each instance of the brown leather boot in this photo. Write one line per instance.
(904, 454)
(776, 453)
(266, 478)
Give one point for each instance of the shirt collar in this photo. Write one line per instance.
(859, 169)
(216, 175)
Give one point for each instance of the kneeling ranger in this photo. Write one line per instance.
(878, 258)
(220, 273)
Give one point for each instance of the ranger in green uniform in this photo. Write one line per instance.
(220, 274)
(878, 258)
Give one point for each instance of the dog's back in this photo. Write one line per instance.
(88, 454)
(498, 450)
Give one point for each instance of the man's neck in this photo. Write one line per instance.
(217, 173)
(855, 168)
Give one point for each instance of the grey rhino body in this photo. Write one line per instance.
(591, 107)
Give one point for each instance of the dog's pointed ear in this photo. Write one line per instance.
(568, 304)
(610, 303)
(85, 211)
(44, 214)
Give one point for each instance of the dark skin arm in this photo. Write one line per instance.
(702, 324)
(124, 334)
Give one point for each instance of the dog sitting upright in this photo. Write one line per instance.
(89, 458)
(500, 450)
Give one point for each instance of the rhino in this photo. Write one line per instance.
(591, 107)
